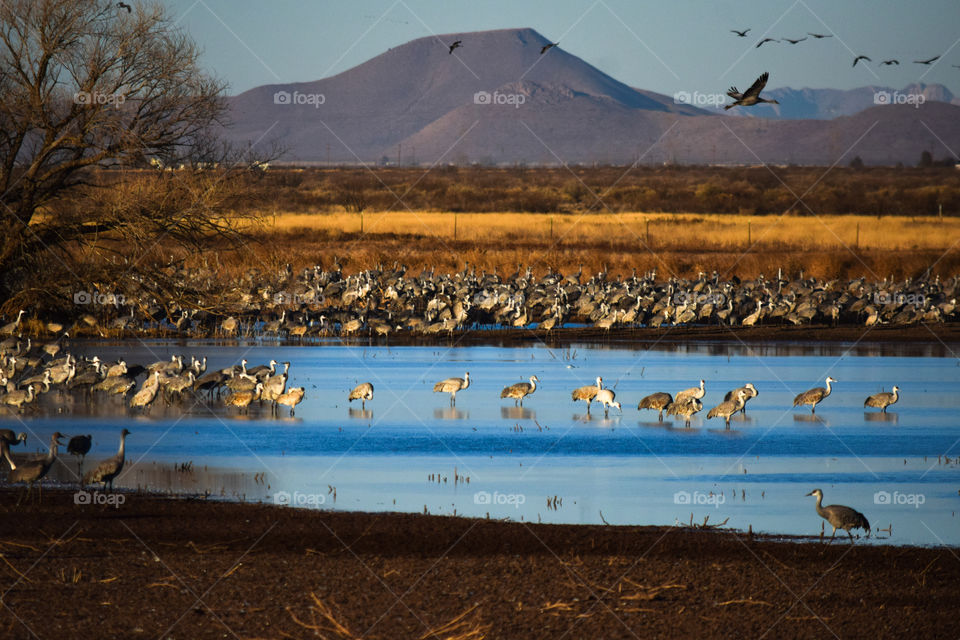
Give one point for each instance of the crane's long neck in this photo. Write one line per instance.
(466, 380)
(599, 385)
(52, 453)
(820, 509)
(123, 444)
(533, 384)
(829, 389)
(6, 454)
(895, 392)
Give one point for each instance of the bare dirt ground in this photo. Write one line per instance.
(181, 568)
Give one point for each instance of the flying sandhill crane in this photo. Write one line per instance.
(106, 471)
(34, 470)
(859, 58)
(794, 41)
(685, 409)
(728, 407)
(692, 392)
(361, 392)
(452, 385)
(587, 393)
(890, 62)
(751, 96)
(608, 398)
(742, 34)
(291, 398)
(657, 401)
(814, 396)
(819, 35)
(751, 392)
(79, 446)
(840, 517)
(520, 390)
(927, 61)
(124, 5)
(456, 45)
(765, 40)
(242, 399)
(883, 400)
(547, 47)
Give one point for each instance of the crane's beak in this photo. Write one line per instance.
(810, 494)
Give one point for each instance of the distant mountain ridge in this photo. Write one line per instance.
(496, 99)
(824, 104)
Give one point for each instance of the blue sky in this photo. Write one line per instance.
(664, 46)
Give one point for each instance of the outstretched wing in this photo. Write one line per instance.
(733, 93)
(758, 85)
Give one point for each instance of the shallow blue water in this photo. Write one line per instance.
(628, 466)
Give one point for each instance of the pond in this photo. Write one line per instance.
(550, 461)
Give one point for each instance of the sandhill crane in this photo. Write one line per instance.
(456, 44)
(840, 517)
(814, 396)
(794, 41)
(19, 398)
(765, 40)
(819, 35)
(859, 58)
(242, 399)
(79, 446)
(34, 470)
(273, 386)
(890, 62)
(520, 390)
(685, 409)
(106, 471)
(751, 319)
(751, 96)
(263, 371)
(608, 398)
(750, 391)
(124, 5)
(742, 34)
(927, 61)
(361, 392)
(8, 436)
(147, 393)
(9, 329)
(587, 393)
(728, 407)
(547, 47)
(291, 398)
(452, 385)
(883, 400)
(692, 392)
(657, 401)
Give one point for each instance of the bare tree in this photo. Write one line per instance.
(86, 86)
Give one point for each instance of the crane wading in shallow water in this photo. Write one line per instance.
(840, 517)
(451, 386)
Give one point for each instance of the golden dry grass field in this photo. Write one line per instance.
(675, 244)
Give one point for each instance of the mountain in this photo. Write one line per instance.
(824, 104)
(496, 99)
(368, 109)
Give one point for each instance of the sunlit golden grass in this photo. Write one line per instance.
(666, 231)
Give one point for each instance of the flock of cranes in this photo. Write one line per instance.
(31, 471)
(30, 374)
(820, 36)
(317, 303)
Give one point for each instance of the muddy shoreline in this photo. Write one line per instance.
(175, 568)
